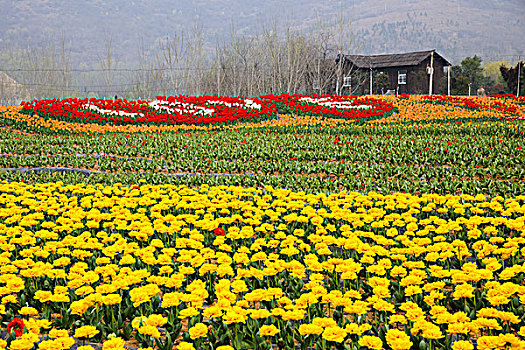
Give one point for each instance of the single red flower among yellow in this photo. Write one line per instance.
(17, 325)
(219, 232)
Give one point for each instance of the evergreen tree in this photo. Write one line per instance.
(469, 73)
(472, 70)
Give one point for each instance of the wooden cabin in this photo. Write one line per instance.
(394, 73)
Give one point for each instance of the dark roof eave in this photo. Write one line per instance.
(390, 60)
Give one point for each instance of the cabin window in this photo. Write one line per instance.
(347, 81)
(402, 77)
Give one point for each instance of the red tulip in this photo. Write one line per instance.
(16, 325)
(219, 232)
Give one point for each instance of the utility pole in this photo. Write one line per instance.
(370, 80)
(519, 72)
(319, 75)
(431, 73)
(448, 79)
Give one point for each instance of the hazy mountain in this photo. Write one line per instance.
(492, 29)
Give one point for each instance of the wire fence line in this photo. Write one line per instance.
(68, 86)
(90, 70)
(161, 69)
(248, 79)
(293, 71)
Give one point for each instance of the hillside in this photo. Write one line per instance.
(456, 28)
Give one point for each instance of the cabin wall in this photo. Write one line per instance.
(417, 78)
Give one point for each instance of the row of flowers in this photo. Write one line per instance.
(455, 157)
(259, 268)
(203, 110)
(264, 267)
(512, 108)
(333, 106)
(314, 111)
(193, 110)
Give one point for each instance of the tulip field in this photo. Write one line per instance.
(275, 222)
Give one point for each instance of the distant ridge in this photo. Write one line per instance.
(492, 29)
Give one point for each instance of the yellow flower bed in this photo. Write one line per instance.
(255, 268)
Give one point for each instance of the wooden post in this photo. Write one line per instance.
(519, 72)
(370, 80)
(431, 73)
(448, 79)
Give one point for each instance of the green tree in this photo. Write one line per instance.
(470, 73)
(472, 70)
(491, 70)
(461, 83)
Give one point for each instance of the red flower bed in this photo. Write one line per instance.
(341, 107)
(520, 99)
(164, 110)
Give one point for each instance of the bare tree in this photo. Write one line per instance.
(41, 72)
(143, 82)
(168, 59)
(65, 66)
(107, 64)
(194, 62)
(275, 59)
